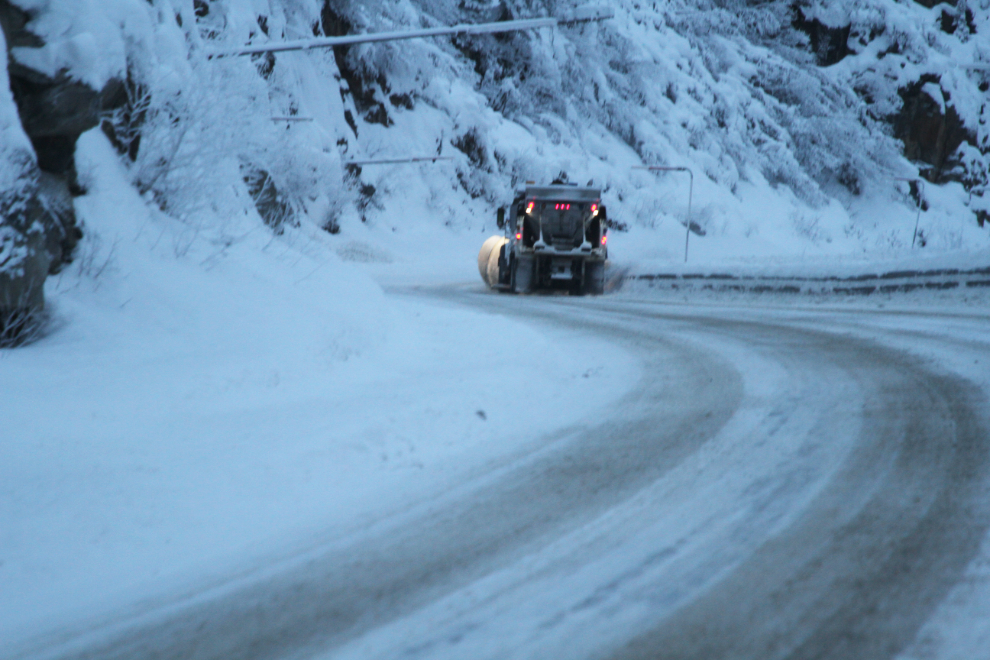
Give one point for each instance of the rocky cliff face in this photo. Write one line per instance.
(930, 129)
(940, 113)
(39, 223)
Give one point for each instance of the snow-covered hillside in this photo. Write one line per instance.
(786, 112)
(790, 156)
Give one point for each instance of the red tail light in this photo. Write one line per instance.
(518, 235)
(529, 207)
(604, 240)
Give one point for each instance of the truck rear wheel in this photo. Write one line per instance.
(522, 274)
(594, 278)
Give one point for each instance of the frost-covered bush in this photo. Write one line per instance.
(730, 89)
(196, 129)
(196, 136)
(896, 52)
(808, 95)
(193, 131)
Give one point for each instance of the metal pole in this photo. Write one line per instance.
(687, 233)
(921, 194)
(394, 161)
(577, 16)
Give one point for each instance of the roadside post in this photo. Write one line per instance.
(687, 234)
(921, 195)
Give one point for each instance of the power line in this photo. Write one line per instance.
(395, 161)
(580, 15)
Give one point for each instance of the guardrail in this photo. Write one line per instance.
(865, 284)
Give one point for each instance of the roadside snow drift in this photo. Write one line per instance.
(208, 402)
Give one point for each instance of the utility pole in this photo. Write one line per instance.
(921, 195)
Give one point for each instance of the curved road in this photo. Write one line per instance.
(782, 483)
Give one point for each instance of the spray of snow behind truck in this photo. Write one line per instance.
(555, 238)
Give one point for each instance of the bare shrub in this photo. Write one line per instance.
(185, 138)
(21, 324)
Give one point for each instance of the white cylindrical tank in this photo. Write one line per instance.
(488, 259)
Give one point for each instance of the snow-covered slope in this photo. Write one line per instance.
(789, 156)
(209, 403)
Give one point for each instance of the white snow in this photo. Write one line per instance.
(194, 416)
(587, 592)
(213, 396)
(88, 39)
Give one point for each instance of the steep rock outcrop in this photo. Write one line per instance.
(897, 73)
(53, 113)
(38, 230)
(929, 127)
(830, 45)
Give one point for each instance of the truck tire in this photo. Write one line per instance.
(522, 274)
(578, 283)
(594, 278)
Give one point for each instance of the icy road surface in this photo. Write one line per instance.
(781, 483)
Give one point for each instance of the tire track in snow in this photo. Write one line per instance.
(854, 574)
(404, 564)
(857, 583)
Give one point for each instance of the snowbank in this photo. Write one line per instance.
(214, 399)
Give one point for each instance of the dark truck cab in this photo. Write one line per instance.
(555, 238)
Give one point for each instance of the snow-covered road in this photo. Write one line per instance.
(782, 483)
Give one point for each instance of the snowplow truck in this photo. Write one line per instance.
(554, 238)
